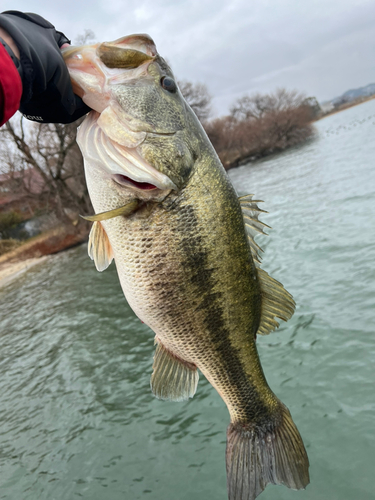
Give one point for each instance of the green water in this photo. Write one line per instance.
(77, 419)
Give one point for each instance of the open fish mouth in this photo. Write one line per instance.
(125, 181)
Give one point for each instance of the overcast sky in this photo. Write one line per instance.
(320, 47)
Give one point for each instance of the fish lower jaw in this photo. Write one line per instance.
(143, 182)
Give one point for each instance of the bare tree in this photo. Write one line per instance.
(258, 105)
(259, 125)
(198, 98)
(88, 36)
(52, 152)
(248, 107)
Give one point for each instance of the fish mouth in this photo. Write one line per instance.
(125, 181)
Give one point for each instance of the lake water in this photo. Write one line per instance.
(77, 418)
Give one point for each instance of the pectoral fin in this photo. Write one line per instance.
(127, 209)
(99, 247)
(173, 378)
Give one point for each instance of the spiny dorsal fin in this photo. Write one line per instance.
(250, 213)
(99, 247)
(173, 378)
(276, 301)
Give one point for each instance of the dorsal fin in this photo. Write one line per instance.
(253, 226)
(276, 301)
(99, 247)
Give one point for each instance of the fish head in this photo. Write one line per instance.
(141, 128)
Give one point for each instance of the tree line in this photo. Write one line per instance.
(257, 125)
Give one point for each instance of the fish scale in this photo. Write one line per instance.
(165, 269)
(185, 254)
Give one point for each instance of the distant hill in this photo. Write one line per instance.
(352, 94)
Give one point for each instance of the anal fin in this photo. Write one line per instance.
(173, 379)
(99, 247)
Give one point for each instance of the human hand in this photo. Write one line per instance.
(47, 91)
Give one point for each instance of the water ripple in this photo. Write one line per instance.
(77, 415)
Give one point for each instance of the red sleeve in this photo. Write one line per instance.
(10, 87)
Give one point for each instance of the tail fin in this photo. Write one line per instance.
(257, 456)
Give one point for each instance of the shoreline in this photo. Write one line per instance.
(239, 162)
(345, 106)
(37, 249)
(16, 262)
(9, 271)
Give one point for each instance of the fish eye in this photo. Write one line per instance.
(168, 84)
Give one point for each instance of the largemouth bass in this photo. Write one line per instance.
(183, 244)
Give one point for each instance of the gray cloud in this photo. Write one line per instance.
(320, 47)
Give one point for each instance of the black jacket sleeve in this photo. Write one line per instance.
(47, 91)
